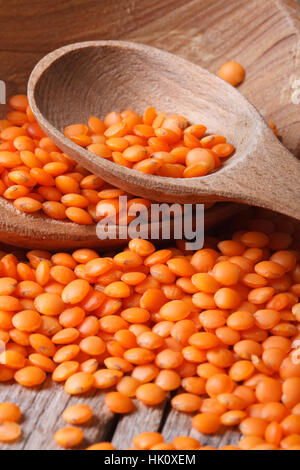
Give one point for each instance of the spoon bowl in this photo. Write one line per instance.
(92, 78)
(37, 231)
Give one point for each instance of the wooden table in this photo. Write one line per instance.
(263, 36)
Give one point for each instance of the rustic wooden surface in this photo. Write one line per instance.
(262, 35)
(259, 34)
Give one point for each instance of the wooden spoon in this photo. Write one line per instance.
(76, 81)
(40, 232)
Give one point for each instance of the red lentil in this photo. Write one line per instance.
(68, 437)
(78, 414)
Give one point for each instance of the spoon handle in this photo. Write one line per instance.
(270, 178)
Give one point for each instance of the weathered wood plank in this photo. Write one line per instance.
(41, 415)
(144, 418)
(224, 437)
(179, 424)
(207, 32)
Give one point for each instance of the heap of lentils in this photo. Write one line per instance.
(216, 331)
(153, 143)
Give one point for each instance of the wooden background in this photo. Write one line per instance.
(262, 35)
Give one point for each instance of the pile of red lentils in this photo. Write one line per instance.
(153, 143)
(216, 331)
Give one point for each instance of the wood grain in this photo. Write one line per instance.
(144, 418)
(259, 34)
(262, 35)
(41, 415)
(180, 421)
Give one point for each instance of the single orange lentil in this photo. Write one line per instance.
(135, 315)
(232, 417)
(75, 291)
(207, 423)
(92, 345)
(6, 373)
(118, 403)
(241, 370)
(27, 204)
(248, 442)
(168, 380)
(117, 290)
(253, 427)
(79, 383)
(227, 298)
(168, 359)
(139, 356)
(90, 366)
(150, 394)
(274, 411)
(291, 425)
(27, 320)
(273, 433)
(66, 353)
(106, 378)
(30, 376)
(147, 440)
(9, 431)
(150, 340)
(101, 446)
(219, 382)
(12, 359)
(185, 443)
(269, 269)
(226, 273)
(205, 283)
(232, 72)
(42, 344)
(128, 386)
(145, 373)
(186, 402)
(268, 390)
(68, 437)
(79, 216)
(204, 340)
(9, 412)
(78, 414)
(175, 310)
(42, 273)
(41, 361)
(290, 392)
(49, 304)
(240, 320)
(65, 336)
(223, 150)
